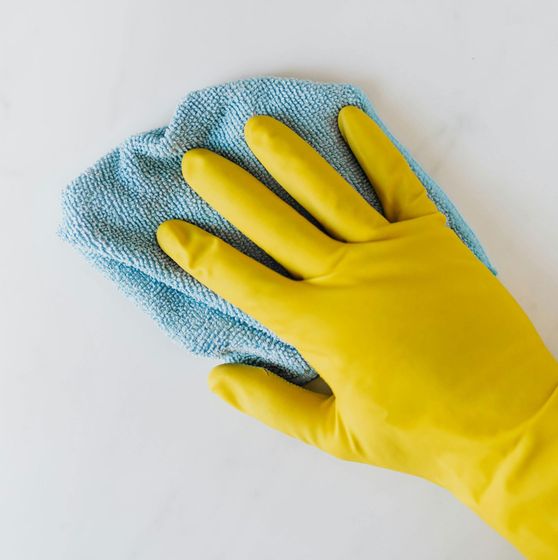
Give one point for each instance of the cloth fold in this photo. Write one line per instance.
(112, 210)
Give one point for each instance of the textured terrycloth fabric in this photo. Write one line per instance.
(111, 212)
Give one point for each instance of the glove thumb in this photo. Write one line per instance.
(293, 410)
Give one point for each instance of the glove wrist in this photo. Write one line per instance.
(521, 501)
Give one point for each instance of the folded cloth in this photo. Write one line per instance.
(112, 210)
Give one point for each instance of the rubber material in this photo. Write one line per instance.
(434, 368)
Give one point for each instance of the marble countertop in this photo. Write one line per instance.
(110, 444)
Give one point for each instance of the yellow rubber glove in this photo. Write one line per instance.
(435, 369)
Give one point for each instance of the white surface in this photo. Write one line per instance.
(110, 445)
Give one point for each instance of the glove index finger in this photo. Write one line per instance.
(249, 285)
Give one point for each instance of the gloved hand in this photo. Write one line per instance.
(435, 369)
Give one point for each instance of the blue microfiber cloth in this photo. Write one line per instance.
(112, 210)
